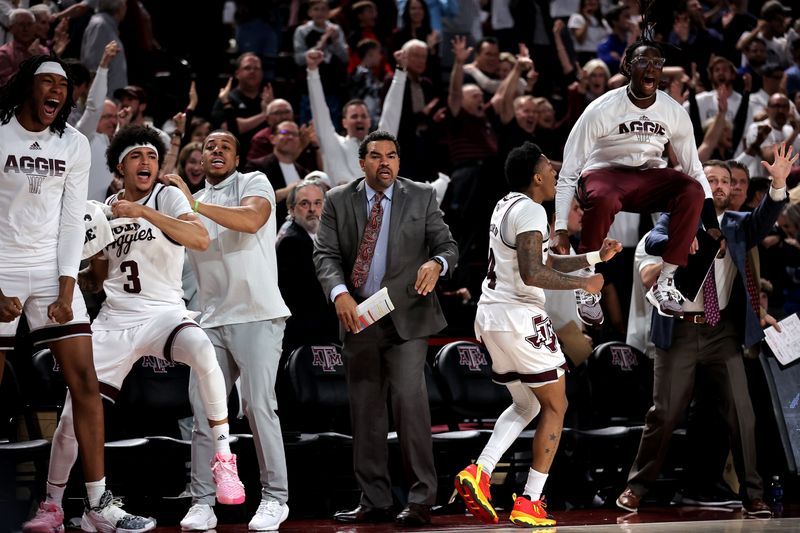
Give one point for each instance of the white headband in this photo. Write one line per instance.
(133, 147)
(50, 67)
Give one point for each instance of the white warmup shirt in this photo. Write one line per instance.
(613, 132)
(144, 265)
(237, 277)
(42, 198)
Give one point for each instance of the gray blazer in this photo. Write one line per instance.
(417, 232)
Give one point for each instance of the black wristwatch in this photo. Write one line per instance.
(441, 263)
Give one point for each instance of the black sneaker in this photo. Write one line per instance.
(718, 495)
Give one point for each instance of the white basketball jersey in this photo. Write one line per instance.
(145, 266)
(514, 214)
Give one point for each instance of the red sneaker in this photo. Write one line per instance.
(531, 514)
(472, 484)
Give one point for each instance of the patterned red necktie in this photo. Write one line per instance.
(752, 287)
(366, 248)
(710, 301)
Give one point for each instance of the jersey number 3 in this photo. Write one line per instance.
(132, 269)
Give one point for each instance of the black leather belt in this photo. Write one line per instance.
(694, 317)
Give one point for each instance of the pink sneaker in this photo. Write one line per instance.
(49, 519)
(230, 490)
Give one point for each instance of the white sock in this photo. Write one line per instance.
(221, 438)
(95, 490)
(535, 485)
(55, 493)
(667, 272)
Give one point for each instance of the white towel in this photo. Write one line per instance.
(98, 230)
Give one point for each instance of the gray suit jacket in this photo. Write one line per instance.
(417, 232)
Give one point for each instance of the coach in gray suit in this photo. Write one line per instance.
(386, 231)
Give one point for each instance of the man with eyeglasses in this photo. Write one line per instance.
(613, 161)
(313, 320)
(280, 165)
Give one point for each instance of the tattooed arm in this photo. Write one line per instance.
(571, 263)
(534, 272)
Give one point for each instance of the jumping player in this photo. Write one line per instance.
(144, 313)
(614, 156)
(512, 323)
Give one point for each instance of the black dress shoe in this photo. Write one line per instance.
(415, 515)
(364, 515)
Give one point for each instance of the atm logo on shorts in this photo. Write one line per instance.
(543, 334)
(623, 357)
(158, 365)
(35, 168)
(472, 357)
(327, 357)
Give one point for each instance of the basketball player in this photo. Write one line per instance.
(43, 185)
(512, 323)
(144, 313)
(614, 157)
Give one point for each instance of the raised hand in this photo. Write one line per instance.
(609, 249)
(461, 51)
(193, 99)
(313, 59)
(781, 165)
(225, 92)
(109, 53)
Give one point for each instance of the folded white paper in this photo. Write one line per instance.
(373, 309)
(786, 344)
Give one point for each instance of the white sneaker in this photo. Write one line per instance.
(666, 298)
(588, 307)
(200, 517)
(269, 516)
(110, 517)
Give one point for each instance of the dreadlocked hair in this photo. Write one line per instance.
(19, 88)
(646, 37)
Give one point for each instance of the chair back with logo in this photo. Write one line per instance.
(463, 371)
(622, 384)
(319, 388)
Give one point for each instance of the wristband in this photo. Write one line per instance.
(196, 207)
(593, 258)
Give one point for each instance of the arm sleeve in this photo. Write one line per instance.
(71, 232)
(393, 103)
(172, 202)
(576, 151)
(300, 48)
(94, 104)
(524, 217)
(437, 234)
(331, 148)
(340, 48)
(683, 143)
(327, 251)
(258, 185)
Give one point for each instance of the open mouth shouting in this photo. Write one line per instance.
(51, 107)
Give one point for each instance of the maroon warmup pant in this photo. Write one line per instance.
(605, 192)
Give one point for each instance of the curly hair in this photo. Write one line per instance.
(131, 136)
(19, 88)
